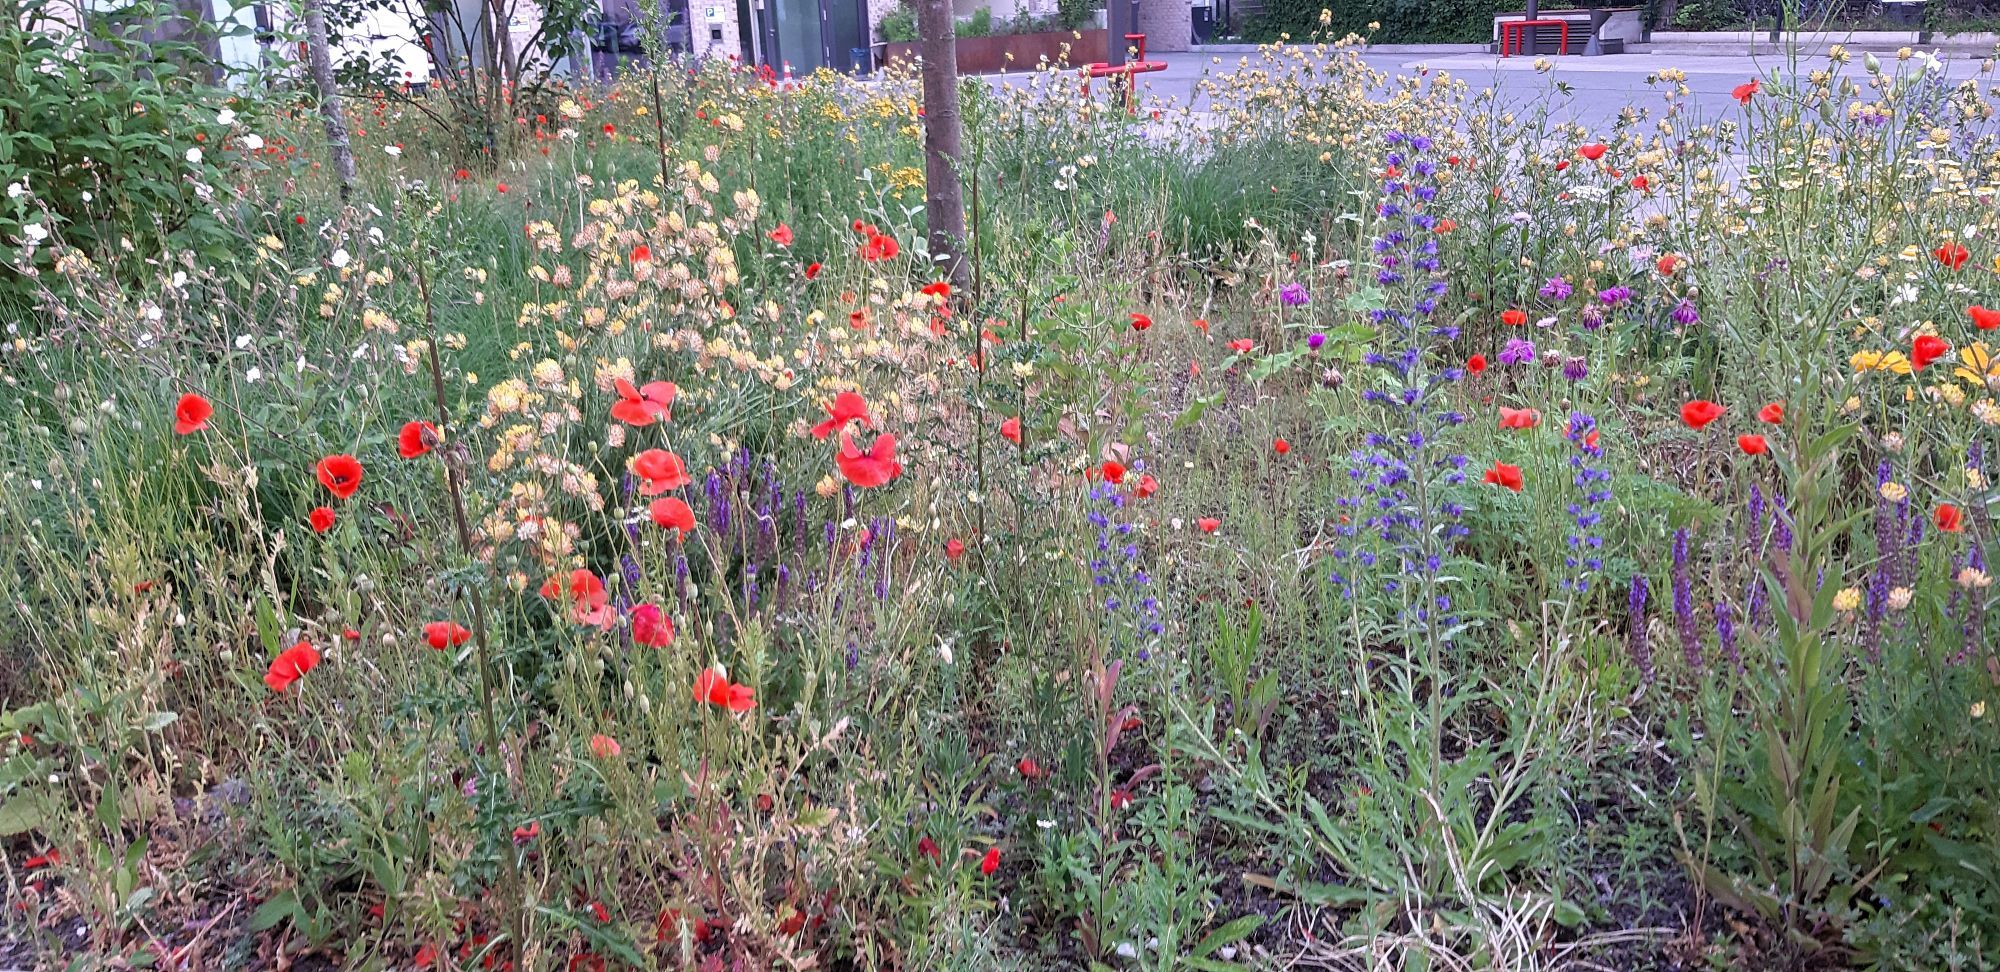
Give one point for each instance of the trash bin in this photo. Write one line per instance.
(859, 58)
(1904, 13)
(1204, 23)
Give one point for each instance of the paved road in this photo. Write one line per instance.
(1599, 87)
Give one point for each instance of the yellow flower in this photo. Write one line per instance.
(1894, 492)
(1979, 365)
(1847, 600)
(1972, 578)
(1891, 361)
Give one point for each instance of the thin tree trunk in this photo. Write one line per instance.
(944, 205)
(503, 40)
(321, 63)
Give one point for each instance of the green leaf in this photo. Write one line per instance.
(282, 906)
(25, 812)
(1229, 934)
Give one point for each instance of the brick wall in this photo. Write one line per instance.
(1167, 24)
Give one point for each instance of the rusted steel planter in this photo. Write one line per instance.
(989, 55)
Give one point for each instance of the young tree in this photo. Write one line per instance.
(321, 65)
(944, 204)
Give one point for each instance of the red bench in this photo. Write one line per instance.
(1137, 65)
(1514, 29)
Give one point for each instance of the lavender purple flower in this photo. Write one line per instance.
(1585, 542)
(1635, 632)
(1517, 351)
(1684, 603)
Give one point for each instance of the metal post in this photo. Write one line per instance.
(1117, 23)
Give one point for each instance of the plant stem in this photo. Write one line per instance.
(454, 460)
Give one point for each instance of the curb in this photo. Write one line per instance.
(1366, 49)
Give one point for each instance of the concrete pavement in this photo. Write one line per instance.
(1590, 91)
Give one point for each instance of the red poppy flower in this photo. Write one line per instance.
(1242, 345)
(927, 847)
(1514, 317)
(642, 254)
(991, 862)
(51, 858)
(1476, 363)
(291, 665)
(671, 513)
(1667, 265)
(1011, 429)
(413, 441)
(1560, 166)
(940, 289)
(1772, 414)
(1952, 255)
(603, 747)
(500, 188)
(662, 471)
(1505, 476)
(1028, 768)
(1200, 323)
(350, 634)
(1281, 447)
(462, 174)
(1592, 151)
(1983, 318)
(1113, 472)
(299, 220)
(1147, 486)
(651, 627)
(341, 475)
(782, 235)
(879, 248)
(445, 634)
(1752, 445)
(812, 270)
(1208, 524)
(1744, 92)
(641, 406)
(1698, 413)
(1948, 518)
(588, 602)
(1926, 349)
(524, 834)
(846, 407)
(1140, 321)
(1519, 418)
(715, 688)
(870, 469)
(954, 550)
(191, 414)
(1639, 182)
(610, 129)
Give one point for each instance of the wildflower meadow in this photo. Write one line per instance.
(1348, 523)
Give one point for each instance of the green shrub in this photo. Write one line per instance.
(899, 26)
(94, 143)
(980, 24)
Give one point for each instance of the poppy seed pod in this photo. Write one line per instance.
(1331, 378)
